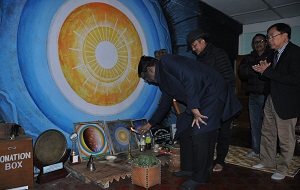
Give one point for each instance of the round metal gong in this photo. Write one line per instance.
(50, 147)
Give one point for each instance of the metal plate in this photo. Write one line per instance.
(50, 147)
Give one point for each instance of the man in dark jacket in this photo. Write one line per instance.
(217, 58)
(208, 100)
(255, 87)
(282, 106)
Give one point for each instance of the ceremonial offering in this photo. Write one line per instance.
(148, 140)
(110, 158)
(129, 155)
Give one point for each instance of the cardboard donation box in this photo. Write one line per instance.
(16, 163)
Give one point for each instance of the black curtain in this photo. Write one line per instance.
(183, 16)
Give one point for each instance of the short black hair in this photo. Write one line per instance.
(145, 61)
(282, 28)
(262, 35)
(259, 34)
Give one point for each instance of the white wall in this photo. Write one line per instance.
(251, 29)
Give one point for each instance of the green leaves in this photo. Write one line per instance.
(146, 161)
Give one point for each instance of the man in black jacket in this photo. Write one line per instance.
(217, 58)
(208, 100)
(282, 106)
(255, 87)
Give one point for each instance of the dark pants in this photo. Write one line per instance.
(197, 154)
(223, 142)
(256, 106)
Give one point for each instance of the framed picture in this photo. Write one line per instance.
(92, 139)
(120, 136)
(137, 123)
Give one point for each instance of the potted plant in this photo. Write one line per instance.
(146, 171)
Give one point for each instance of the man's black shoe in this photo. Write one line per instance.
(190, 185)
(182, 173)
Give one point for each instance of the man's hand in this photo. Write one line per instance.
(144, 128)
(198, 118)
(261, 67)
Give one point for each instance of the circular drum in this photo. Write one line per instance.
(50, 147)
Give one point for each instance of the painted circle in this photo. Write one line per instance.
(103, 50)
(122, 136)
(92, 139)
(95, 77)
(98, 146)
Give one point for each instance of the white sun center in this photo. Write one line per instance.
(106, 54)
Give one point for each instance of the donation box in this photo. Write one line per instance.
(16, 163)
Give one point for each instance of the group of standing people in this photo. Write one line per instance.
(271, 71)
(282, 103)
(206, 86)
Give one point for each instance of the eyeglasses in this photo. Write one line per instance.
(258, 42)
(273, 36)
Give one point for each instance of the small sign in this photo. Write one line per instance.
(161, 134)
(53, 167)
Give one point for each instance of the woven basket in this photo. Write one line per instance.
(146, 177)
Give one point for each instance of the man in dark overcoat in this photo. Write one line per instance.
(208, 100)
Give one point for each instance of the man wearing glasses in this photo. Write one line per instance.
(255, 87)
(208, 100)
(282, 106)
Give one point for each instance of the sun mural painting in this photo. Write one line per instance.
(79, 59)
(98, 51)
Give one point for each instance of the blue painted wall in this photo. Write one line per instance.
(29, 95)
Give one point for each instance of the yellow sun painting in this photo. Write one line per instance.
(98, 49)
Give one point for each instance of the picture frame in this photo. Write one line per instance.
(119, 136)
(92, 139)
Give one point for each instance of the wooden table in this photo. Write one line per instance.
(106, 172)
